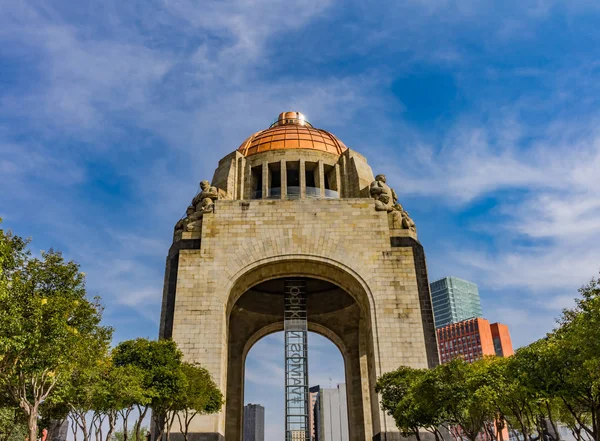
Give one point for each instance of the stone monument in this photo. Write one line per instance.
(293, 202)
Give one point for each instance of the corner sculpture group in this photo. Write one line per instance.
(385, 200)
(203, 202)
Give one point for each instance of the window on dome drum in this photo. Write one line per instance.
(310, 178)
(257, 182)
(293, 179)
(275, 180)
(311, 170)
(331, 187)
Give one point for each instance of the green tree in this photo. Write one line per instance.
(452, 395)
(13, 425)
(567, 361)
(511, 399)
(124, 434)
(200, 396)
(162, 380)
(528, 393)
(123, 388)
(467, 409)
(85, 395)
(48, 327)
(398, 399)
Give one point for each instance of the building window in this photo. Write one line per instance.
(310, 178)
(257, 182)
(293, 180)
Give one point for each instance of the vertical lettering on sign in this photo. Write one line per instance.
(296, 361)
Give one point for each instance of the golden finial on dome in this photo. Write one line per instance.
(296, 118)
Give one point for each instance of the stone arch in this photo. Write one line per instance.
(301, 265)
(352, 336)
(278, 327)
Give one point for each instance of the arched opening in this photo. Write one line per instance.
(264, 381)
(338, 314)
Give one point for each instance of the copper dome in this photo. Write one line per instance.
(291, 131)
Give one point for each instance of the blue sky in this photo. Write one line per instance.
(483, 114)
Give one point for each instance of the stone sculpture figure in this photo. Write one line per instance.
(403, 219)
(182, 223)
(407, 222)
(385, 196)
(194, 220)
(204, 201)
(379, 186)
(382, 203)
(387, 200)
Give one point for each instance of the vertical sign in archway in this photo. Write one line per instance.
(296, 361)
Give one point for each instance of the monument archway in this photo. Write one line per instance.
(333, 224)
(341, 314)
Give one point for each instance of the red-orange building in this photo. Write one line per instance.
(473, 339)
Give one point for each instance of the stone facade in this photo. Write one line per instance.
(377, 309)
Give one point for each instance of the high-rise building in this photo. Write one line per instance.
(330, 414)
(473, 339)
(501, 338)
(254, 422)
(454, 300)
(313, 397)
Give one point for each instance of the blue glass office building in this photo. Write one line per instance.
(454, 300)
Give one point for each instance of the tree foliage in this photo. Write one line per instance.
(199, 396)
(48, 326)
(551, 381)
(56, 363)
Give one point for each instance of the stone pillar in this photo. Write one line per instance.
(265, 180)
(302, 179)
(234, 403)
(247, 186)
(355, 398)
(241, 167)
(338, 179)
(344, 168)
(321, 178)
(283, 179)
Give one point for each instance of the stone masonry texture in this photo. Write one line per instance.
(377, 309)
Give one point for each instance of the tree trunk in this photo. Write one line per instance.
(74, 428)
(125, 434)
(596, 422)
(554, 426)
(417, 434)
(170, 425)
(32, 424)
(112, 423)
(188, 420)
(138, 423)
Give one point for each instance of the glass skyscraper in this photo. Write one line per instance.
(454, 300)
